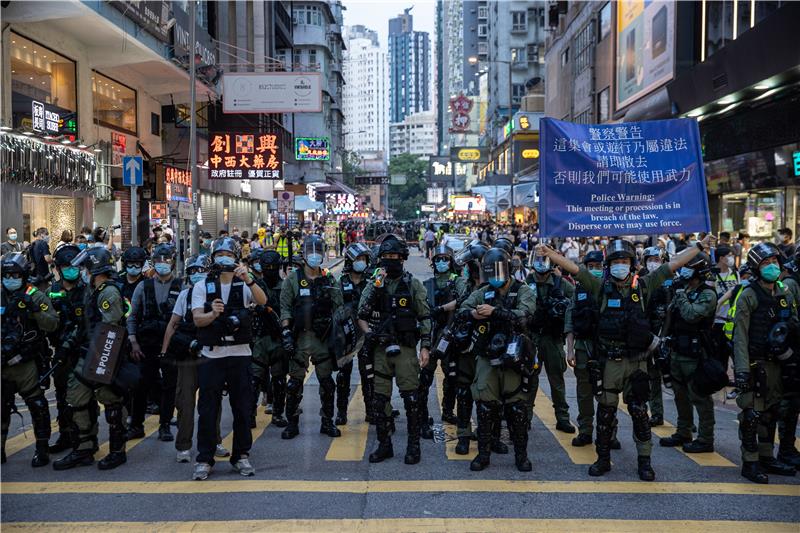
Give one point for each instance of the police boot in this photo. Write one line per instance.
(40, 414)
(484, 414)
(116, 439)
(752, 470)
(615, 444)
(517, 416)
(646, 472)
(327, 388)
(498, 446)
(278, 401)
(294, 395)
(448, 403)
(367, 392)
(342, 397)
(66, 430)
(75, 458)
(606, 416)
(426, 422)
(383, 429)
(464, 411)
(774, 466)
(787, 428)
(411, 402)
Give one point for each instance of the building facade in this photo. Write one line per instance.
(416, 134)
(410, 80)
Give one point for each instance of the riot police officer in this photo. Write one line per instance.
(151, 306)
(352, 283)
(624, 341)
(394, 314)
(259, 371)
(653, 258)
(790, 377)
(553, 295)
(104, 304)
(692, 317)
(504, 365)
(309, 297)
(765, 329)
(270, 360)
(67, 295)
(27, 315)
(444, 290)
(133, 260)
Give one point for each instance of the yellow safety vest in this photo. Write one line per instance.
(283, 246)
(727, 328)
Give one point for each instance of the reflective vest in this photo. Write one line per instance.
(283, 246)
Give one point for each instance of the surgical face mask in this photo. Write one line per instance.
(133, 271)
(497, 282)
(163, 269)
(652, 266)
(314, 260)
(257, 267)
(197, 277)
(604, 242)
(769, 273)
(596, 272)
(12, 236)
(207, 242)
(686, 272)
(620, 271)
(225, 260)
(87, 235)
(12, 284)
(541, 266)
(46, 238)
(442, 266)
(86, 277)
(70, 273)
(730, 260)
(359, 266)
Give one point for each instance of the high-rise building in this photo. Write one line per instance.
(364, 96)
(409, 68)
(416, 134)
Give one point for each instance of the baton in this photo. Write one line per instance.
(49, 373)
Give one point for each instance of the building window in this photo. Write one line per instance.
(533, 53)
(604, 22)
(565, 57)
(309, 15)
(603, 101)
(518, 55)
(297, 58)
(483, 49)
(519, 21)
(585, 117)
(483, 12)
(312, 60)
(155, 124)
(719, 25)
(517, 92)
(40, 75)
(583, 49)
(114, 104)
(482, 31)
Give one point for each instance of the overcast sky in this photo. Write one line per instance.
(375, 15)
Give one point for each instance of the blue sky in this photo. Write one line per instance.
(375, 15)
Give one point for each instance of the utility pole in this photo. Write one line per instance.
(511, 135)
(195, 238)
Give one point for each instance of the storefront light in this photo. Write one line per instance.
(694, 113)
(761, 87)
(727, 100)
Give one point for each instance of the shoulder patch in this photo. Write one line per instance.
(105, 305)
(44, 306)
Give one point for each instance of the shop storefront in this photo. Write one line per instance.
(756, 193)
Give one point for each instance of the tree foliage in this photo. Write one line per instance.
(405, 200)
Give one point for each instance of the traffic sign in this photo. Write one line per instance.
(503, 204)
(398, 179)
(285, 202)
(132, 171)
(372, 180)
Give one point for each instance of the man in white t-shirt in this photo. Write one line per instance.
(220, 307)
(571, 250)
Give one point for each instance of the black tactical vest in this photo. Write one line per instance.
(771, 310)
(682, 328)
(351, 291)
(313, 306)
(622, 321)
(224, 331)
(20, 333)
(584, 314)
(92, 309)
(69, 304)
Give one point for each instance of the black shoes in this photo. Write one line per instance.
(480, 462)
(582, 440)
(426, 429)
(600, 467)
(449, 417)
(656, 421)
(646, 472)
(329, 428)
(136, 432)
(292, 428)
(165, 433)
(674, 441)
(383, 452)
(462, 448)
(752, 470)
(73, 459)
(790, 457)
(40, 456)
(279, 421)
(774, 466)
(341, 419)
(566, 427)
(112, 460)
(697, 446)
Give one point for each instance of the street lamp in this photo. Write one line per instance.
(473, 60)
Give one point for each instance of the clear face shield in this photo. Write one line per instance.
(313, 252)
(496, 273)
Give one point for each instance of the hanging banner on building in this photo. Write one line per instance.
(118, 147)
(272, 92)
(645, 47)
(254, 156)
(637, 178)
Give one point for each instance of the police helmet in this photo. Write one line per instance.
(197, 262)
(255, 255)
(521, 252)
(744, 270)
(620, 249)
(97, 260)
(134, 254)
(270, 259)
(701, 265)
(593, 257)
(297, 260)
(226, 244)
(474, 251)
(761, 252)
(313, 244)
(355, 250)
(393, 246)
(494, 265)
(15, 262)
(505, 243)
(163, 251)
(65, 254)
(653, 251)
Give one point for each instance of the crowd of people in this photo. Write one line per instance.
(249, 315)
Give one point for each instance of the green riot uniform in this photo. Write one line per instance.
(580, 321)
(757, 310)
(692, 318)
(308, 304)
(465, 375)
(790, 404)
(102, 305)
(657, 305)
(351, 296)
(27, 314)
(622, 352)
(270, 361)
(547, 331)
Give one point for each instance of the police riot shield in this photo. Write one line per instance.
(105, 354)
(346, 338)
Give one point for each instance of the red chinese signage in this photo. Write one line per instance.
(173, 184)
(460, 106)
(245, 156)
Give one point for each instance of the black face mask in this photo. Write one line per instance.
(271, 276)
(394, 267)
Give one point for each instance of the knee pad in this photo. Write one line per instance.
(426, 377)
(38, 406)
(766, 418)
(379, 402)
(640, 420)
(114, 414)
(606, 414)
(640, 387)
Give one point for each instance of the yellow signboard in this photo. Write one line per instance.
(531, 153)
(627, 11)
(469, 154)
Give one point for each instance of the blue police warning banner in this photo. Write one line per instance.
(621, 179)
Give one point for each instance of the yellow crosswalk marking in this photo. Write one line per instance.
(703, 459)
(422, 525)
(396, 486)
(450, 430)
(583, 455)
(353, 442)
(150, 427)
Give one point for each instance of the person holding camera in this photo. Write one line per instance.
(309, 296)
(394, 314)
(502, 369)
(153, 301)
(553, 295)
(221, 311)
(27, 315)
(623, 341)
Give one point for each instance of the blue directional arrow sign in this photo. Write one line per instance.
(132, 171)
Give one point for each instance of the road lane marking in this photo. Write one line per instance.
(583, 455)
(397, 486)
(352, 445)
(451, 431)
(703, 459)
(25, 439)
(150, 427)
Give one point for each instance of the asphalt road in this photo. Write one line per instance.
(314, 483)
